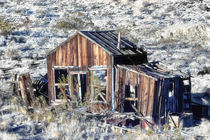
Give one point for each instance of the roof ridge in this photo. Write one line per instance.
(98, 31)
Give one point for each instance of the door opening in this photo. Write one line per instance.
(79, 86)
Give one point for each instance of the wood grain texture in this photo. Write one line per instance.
(81, 52)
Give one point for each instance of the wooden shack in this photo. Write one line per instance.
(105, 69)
(89, 55)
(151, 91)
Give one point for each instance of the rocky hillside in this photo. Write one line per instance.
(174, 32)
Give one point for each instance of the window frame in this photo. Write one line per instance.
(92, 88)
(73, 70)
(56, 84)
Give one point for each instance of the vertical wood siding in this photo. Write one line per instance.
(81, 52)
(50, 63)
(145, 90)
(146, 95)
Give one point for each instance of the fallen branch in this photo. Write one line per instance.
(64, 94)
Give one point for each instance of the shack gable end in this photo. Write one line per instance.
(80, 55)
(79, 51)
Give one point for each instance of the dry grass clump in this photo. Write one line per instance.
(78, 21)
(157, 133)
(8, 136)
(74, 23)
(12, 53)
(64, 25)
(39, 111)
(5, 27)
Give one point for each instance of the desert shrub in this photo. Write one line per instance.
(40, 102)
(64, 25)
(6, 27)
(177, 134)
(97, 84)
(12, 53)
(62, 81)
(79, 21)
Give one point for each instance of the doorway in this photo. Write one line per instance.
(79, 85)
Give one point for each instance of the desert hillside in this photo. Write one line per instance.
(173, 32)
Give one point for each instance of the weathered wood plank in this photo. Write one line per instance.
(27, 91)
(68, 57)
(123, 42)
(145, 98)
(84, 51)
(75, 53)
(23, 90)
(109, 42)
(51, 62)
(95, 52)
(151, 97)
(49, 65)
(131, 99)
(89, 53)
(53, 59)
(76, 45)
(60, 56)
(156, 97)
(160, 98)
(141, 92)
(80, 51)
(100, 53)
(109, 84)
(123, 77)
(103, 44)
(105, 58)
(117, 83)
(57, 57)
(63, 55)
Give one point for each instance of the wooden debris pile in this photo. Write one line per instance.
(24, 87)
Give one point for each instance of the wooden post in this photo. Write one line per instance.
(26, 89)
(119, 41)
(80, 89)
(15, 85)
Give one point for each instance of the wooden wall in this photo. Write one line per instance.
(145, 90)
(81, 52)
(146, 95)
(152, 93)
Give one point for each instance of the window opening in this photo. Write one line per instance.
(61, 84)
(79, 86)
(59, 73)
(83, 86)
(98, 85)
(131, 99)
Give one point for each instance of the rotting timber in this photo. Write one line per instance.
(151, 91)
(111, 73)
(89, 54)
